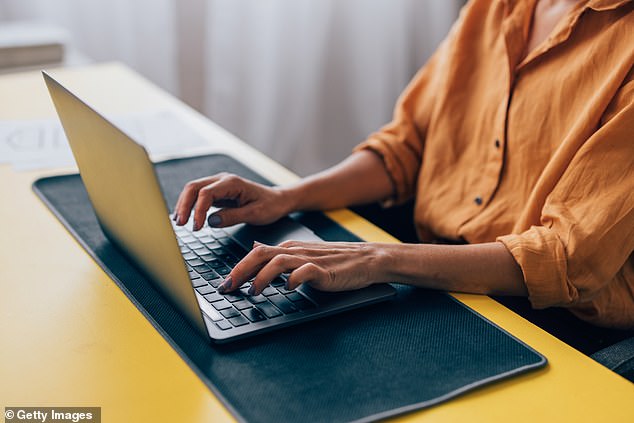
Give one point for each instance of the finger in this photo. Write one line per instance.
(206, 197)
(230, 217)
(307, 273)
(187, 198)
(281, 263)
(249, 266)
(217, 192)
(316, 245)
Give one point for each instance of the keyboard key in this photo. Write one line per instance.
(304, 305)
(205, 238)
(208, 258)
(201, 251)
(238, 321)
(284, 290)
(212, 243)
(224, 240)
(230, 312)
(253, 314)
(268, 291)
(283, 304)
(185, 250)
(226, 257)
(215, 264)
(257, 299)
(243, 304)
(232, 262)
(232, 298)
(203, 268)
(209, 275)
(236, 248)
(212, 298)
(205, 290)
(187, 239)
(195, 262)
(198, 282)
(217, 232)
(223, 271)
(216, 282)
(295, 296)
(190, 256)
(209, 311)
(221, 305)
(199, 234)
(217, 250)
(223, 325)
(278, 282)
(194, 245)
(269, 310)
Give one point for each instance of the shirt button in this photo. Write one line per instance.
(497, 143)
(478, 200)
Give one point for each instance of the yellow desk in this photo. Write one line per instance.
(70, 337)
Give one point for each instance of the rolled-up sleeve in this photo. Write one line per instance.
(586, 234)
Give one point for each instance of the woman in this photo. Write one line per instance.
(516, 138)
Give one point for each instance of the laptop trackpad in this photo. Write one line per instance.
(282, 230)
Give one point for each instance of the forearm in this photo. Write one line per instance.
(360, 179)
(479, 268)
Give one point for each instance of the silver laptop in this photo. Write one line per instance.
(186, 266)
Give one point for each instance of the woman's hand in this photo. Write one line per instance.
(327, 266)
(244, 201)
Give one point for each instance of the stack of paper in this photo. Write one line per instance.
(31, 43)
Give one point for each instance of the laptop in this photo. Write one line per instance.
(186, 266)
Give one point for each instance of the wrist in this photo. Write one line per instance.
(381, 263)
(290, 198)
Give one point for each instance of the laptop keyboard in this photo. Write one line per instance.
(210, 255)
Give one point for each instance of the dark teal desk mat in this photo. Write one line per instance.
(415, 351)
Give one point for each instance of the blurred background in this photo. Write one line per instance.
(301, 80)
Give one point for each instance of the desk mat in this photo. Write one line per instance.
(417, 350)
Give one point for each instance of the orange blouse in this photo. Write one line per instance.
(536, 153)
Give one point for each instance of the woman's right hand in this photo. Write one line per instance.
(240, 201)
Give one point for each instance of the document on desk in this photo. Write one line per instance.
(39, 144)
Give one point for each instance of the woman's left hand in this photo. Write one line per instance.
(327, 266)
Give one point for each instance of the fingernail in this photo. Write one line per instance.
(175, 218)
(214, 220)
(225, 285)
(287, 286)
(251, 290)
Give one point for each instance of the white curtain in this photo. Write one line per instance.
(301, 80)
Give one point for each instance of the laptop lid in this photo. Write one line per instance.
(127, 199)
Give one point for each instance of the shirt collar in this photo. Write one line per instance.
(601, 5)
(598, 5)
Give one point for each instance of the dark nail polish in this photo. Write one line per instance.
(214, 220)
(225, 285)
(251, 290)
(287, 286)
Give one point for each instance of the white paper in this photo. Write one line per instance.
(38, 144)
